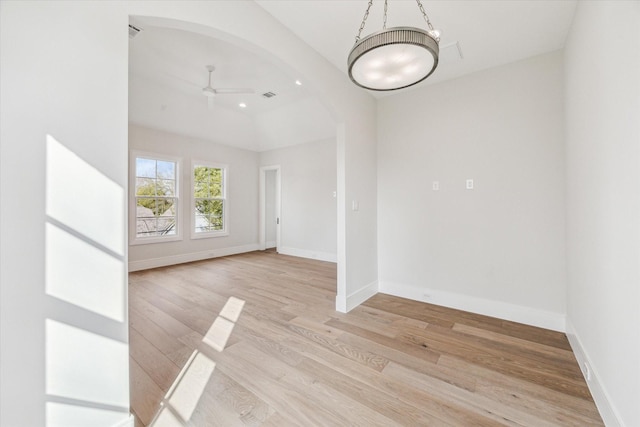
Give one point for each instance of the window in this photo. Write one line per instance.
(156, 199)
(209, 200)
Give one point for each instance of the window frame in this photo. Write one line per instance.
(225, 200)
(134, 239)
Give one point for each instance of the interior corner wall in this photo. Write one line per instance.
(63, 174)
(603, 204)
(360, 160)
(242, 199)
(497, 249)
(308, 206)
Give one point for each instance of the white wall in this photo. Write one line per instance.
(63, 175)
(242, 199)
(603, 205)
(497, 249)
(308, 224)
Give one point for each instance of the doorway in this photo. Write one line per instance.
(270, 207)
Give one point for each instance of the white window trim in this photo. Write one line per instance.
(133, 238)
(225, 192)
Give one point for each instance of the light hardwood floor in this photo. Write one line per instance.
(289, 359)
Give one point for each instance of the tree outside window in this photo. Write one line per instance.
(156, 197)
(209, 193)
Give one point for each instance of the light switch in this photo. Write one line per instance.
(355, 206)
(469, 184)
(435, 185)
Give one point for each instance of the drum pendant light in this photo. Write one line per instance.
(393, 58)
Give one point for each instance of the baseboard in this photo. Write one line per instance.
(600, 396)
(344, 305)
(303, 253)
(270, 244)
(190, 257)
(502, 310)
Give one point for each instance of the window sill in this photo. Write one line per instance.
(152, 240)
(208, 235)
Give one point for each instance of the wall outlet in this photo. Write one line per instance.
(469, 184)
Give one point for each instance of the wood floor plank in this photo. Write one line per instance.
(420, 352)
(522, 345)
(413, 360)
(366, 318)
(386, 404)
(483, 408)
(519, 366)
(287, 358)
(251, 409)
(341, 348)
(159, 368)
(277, 420)
(415, 407)
(559, 362)
(213, 413)
(229, 404)
(310, 385)
(164, 320)
(270, 345)
(317, 326)
(444, 316)
(152, 332)
(302, 337)
(522, 393)
(136, 420)
(145, 393)
(378, 385)
(288, 403)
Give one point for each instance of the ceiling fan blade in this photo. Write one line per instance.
(230, 91)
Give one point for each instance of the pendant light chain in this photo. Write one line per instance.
(364, 19)
(384, 23)
(426, 17)
(384, 20)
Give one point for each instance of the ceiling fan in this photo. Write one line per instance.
(210, 92)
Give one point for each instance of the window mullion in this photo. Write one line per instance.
(159, 219)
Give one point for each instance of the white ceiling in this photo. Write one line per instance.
(489, 33)
(167, 66)
(167, 71)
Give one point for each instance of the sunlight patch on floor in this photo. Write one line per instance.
(186, 391)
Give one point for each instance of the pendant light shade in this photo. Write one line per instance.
(392, 59)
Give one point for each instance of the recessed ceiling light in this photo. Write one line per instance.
(298, 82)
(242, 105)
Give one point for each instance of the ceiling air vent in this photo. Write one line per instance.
(133, 31)
(451, 52)
(268, 94)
